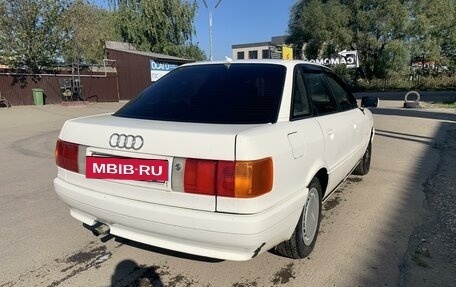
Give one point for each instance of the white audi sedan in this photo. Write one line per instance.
(224, 159)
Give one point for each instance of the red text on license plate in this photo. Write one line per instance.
(126, 168)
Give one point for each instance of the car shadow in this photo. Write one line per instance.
(404, 136)
(151, 248)
(415, 186)
(167, 252)
(129, 273)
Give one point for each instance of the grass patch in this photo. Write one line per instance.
(440, 105)
(445, 105)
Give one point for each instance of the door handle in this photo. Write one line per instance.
(330, 134)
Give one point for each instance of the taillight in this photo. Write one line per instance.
(200, 176)
(70, 156)
(253, 178)
(239, 179)
(226, 171)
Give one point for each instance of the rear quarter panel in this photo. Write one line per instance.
(291, 175)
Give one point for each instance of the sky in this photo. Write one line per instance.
(238, 22)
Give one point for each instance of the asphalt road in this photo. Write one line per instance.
(429, 96)
(364, 233)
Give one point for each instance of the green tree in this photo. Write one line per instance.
(368, 26)
(194, 52)
(321, 26)
(87, 28)
(161, 26)
(377, 25)
(433, 32)
(395, 59)
(31, 35)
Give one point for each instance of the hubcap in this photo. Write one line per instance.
(311, 215)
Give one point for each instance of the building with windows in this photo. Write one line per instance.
(261, 50)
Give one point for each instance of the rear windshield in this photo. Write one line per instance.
(213, 93)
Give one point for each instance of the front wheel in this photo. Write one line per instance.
(302, 242)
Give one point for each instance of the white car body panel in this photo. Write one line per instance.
(213, 226)
(257, 143)
(163, 138)
(339, 150)
(218, 235)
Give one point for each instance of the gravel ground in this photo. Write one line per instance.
(431, 257)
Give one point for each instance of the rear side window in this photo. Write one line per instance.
(213, 93)
(300, 105)
(322, 100)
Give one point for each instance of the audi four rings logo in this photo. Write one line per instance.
(126, 141)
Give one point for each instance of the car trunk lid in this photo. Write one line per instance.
(164, 141)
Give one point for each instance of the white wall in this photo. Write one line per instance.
(259, 50)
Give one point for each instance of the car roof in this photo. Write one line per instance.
(287, 63)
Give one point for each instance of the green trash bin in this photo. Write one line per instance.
(38, 97)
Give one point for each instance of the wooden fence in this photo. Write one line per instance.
(17, 87)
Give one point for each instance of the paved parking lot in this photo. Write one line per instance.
(364, 236)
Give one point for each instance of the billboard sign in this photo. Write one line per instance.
(159, 69)
(287, 53)
(347, 58)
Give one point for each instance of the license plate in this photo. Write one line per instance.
(126, 168)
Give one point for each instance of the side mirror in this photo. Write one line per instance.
(369, 102)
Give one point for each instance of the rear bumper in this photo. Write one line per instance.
(203, 233)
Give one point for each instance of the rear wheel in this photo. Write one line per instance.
(305, 235)
(364, 165)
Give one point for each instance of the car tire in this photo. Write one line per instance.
(302, 242)
(364, 165)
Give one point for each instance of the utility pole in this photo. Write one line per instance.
(211, 55)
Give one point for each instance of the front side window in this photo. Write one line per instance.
(344, 99)
(212, 93)
(240, 55)
(322, 100)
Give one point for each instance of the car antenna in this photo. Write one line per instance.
(228, 61)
